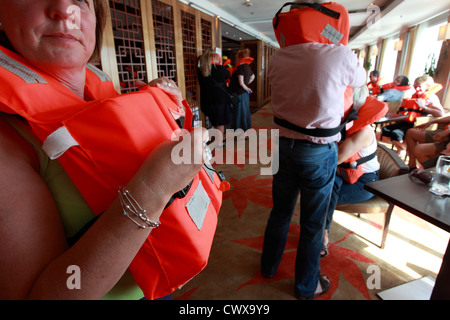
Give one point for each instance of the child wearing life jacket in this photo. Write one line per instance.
(357, 160)
(423, 102)
(375, 83)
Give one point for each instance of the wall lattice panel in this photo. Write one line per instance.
(206, 34)
(190, 61)
(163, 25)
(129, 44)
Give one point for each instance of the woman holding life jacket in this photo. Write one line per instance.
(214, 95)
(394, 91)
(36, 258)
(423, 102)
(240, 80)
(359, 145)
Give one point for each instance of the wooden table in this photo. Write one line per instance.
(388, 119)
(415, 198)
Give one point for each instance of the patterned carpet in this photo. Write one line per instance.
(358, 269)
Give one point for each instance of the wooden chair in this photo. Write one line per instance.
(390, 165)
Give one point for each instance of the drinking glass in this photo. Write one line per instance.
(441, 183)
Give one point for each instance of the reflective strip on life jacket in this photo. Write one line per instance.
(26, 74)
(100, 74)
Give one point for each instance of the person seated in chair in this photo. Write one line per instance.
(394, 91)
(423, 102)
(375, 82)
(360, 143)
(424, 146)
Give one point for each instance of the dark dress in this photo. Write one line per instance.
(241, 112)
(214, 100)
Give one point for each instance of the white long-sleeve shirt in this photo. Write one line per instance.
(308, 84)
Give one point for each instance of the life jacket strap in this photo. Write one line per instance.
(100, 74)
(320, 132)
(412, 110)
(316, 6)
(355, 164)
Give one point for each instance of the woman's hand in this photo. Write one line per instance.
(168, 86)
(162, 174)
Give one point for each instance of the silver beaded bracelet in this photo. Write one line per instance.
(131, 208)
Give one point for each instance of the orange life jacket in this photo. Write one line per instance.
(391, 86)
(371, 111)
(227, 62)
(375, 88)
(111, 136)
(244, 60)
(323, 23)
(410, 107)
(216, 59)
(326, 23)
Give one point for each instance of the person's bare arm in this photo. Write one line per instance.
(35, 255)
(354, 143)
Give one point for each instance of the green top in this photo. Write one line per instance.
(72, 208)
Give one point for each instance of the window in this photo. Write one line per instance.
(426, 52)
(387, 70)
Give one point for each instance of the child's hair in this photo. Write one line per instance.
(425, 79)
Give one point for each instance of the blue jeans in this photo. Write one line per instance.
(241, 113)
(346, 193)
(308, 169)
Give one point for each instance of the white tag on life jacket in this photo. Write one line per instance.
(58, 142)
(332, 34)
(209, 170)
(198, 205)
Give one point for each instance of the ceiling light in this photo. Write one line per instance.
(444, 32)
(398, 45)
